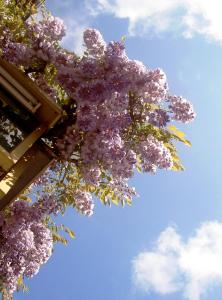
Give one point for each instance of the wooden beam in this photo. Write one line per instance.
(5, 295)
(22, 174)
(29, 94)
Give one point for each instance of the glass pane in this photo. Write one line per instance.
(10, 135)
(16, 122)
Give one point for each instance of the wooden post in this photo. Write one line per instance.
(22, 174)
(5, 295)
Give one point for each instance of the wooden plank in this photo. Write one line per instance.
(6, 161)
(5, 295)
(49, 112)
(32, 101)
(19, 96)
(21, 149)
(30, 167)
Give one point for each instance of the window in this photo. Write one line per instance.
(16, 122)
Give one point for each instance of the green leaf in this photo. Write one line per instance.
(138, 165)
(25, 198)
(59, 238)
(70, 232)
(177, 167)
(179, 135)
(129, 201)
(115, 200)
(123, 38)
(21, 285)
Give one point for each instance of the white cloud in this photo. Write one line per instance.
(76, 20)
(190, 267)
(74, 35)
(188, 17)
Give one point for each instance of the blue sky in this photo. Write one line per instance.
(168, 245)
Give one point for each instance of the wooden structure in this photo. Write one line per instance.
(26, 113)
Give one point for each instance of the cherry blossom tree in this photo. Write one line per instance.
(118, 119)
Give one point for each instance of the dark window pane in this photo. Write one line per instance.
(16, 122)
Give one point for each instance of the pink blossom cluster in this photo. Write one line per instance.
(94, 42)
(153, 155)
(44, 36)
(16, 52)
(42, 45)
(66, 145)
(91, 174)
(122, 191)
(42, 83)
(158, 117)
(50, 28)
(108, 149)
(182, 109)
(84, 203)
(112, 93)
(25, 242)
